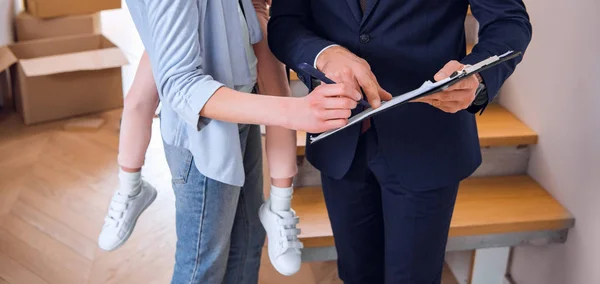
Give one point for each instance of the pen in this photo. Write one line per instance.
(314, 72)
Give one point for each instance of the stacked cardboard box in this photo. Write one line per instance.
(61, 65)
(59, 8)
(29, 27)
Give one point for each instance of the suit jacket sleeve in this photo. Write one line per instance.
(291, 36)
(503, 25)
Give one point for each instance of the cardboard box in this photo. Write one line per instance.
(28, 27)
(59, 8)
(64, 77)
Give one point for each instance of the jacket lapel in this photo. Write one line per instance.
(371, 5)
(355, 9)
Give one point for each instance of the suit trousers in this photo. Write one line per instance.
(384, 231)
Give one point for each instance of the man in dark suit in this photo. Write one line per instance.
(390, 184)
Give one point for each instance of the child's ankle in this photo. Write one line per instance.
(282, 182)
(281, 198)
(130, 182)
(129, 170)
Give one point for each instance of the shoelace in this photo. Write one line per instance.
(289, 233)
(118, 205)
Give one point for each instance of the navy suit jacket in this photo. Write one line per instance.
(405, 42)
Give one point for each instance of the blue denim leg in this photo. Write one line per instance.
(212, 217)
(248, 235)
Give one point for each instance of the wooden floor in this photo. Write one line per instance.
(54, 188)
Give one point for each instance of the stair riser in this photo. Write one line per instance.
(503, 161)
(497, 161)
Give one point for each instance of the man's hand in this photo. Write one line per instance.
(456, 98)
(327, 107)
(342, 66)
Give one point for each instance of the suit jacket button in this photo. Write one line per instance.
(300, 77)
(365, 38)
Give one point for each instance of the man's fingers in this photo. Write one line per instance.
(384, 95)
(339, 103)
(371, 89)
(446, 106)
(450, 107)
(437, 96)
(344, 76)
(450, 95)
(423, 100)
(447, 70)
(464, 97)
(466, 84)
(428, 100)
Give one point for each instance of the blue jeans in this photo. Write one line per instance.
(219, 235)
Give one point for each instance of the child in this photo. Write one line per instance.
(135, 195)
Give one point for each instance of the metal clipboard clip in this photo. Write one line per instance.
(469, 69)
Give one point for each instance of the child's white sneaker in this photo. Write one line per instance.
(122, 216)
(284, 247)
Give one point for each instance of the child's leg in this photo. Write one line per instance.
(134, 195)
(276, 215)
(281, 156)
(280, 142)
(284, 246)
(136, 124)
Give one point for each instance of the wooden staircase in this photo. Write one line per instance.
(493, 210)
(485, 205)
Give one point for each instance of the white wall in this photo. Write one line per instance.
(555, 92)
(8, 9)
(18, 6)
(118, 27)
(6, 15)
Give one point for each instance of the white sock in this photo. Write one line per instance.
(281, 198)
(131, 183)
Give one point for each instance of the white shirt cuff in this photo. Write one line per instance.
(317, 57)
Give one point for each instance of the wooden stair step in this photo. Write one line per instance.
(487, 205)
(294, 76)
(496, 127)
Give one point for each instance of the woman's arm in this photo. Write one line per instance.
(172, 41)
(280, 142)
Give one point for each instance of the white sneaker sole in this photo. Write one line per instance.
(130, 231)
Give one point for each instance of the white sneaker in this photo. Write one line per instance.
(284, 246)
(123, 213)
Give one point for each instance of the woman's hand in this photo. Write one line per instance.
(327, 107)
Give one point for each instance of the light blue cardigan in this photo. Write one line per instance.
(195, 47)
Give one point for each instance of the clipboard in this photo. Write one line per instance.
(426, 89)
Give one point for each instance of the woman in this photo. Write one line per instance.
(205, 69)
